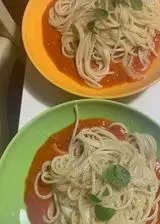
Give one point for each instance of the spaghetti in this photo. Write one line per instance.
(96, 33)
(102, 179)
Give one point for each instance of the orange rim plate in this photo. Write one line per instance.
(33, 42)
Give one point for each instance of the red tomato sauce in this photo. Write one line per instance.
(52, 44)
(118, 131)
(36, 207)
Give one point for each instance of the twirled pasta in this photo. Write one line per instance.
(123, 35)
(78, 173)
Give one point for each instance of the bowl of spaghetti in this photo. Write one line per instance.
(102, 49)
(81, 167)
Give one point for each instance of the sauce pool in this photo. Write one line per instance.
(52, 44)
(37, 207)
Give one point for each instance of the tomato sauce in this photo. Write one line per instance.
(118, 131)
(36, 207)
(52, 44)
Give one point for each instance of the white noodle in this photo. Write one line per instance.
(124, 34)
(79, 172)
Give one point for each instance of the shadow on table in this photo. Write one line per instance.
(129, 99)
(48, 93)
(43, 90)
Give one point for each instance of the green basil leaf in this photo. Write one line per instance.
(109, 174)
(105, 192)
(122, 176)
(116, 175)
(136, 4)
(91, 25)
(94, 199)
(101, 12)
(103, 213)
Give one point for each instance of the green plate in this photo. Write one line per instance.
(17, 159)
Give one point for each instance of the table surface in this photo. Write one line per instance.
(39, 94)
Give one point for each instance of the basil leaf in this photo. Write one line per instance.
(109, 174)
(122, 175)
(105, 192)
(91, 25)
(101, 12)
(94, 199)
(116, 175)
(136, 4)
(103, 213)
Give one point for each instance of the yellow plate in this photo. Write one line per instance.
(33, 42)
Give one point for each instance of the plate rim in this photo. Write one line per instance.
(73, 90)
(51, 109)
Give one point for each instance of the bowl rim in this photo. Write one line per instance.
(62, 105)
(73, 90)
